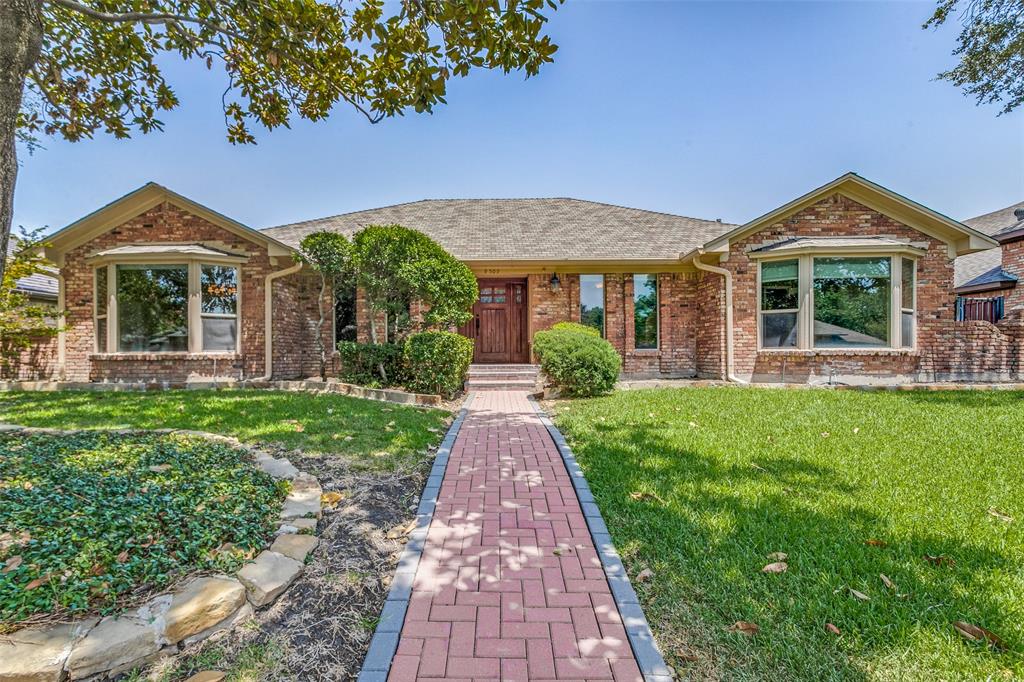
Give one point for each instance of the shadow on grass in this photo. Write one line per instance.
(710, 526)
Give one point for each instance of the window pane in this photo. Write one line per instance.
(645, 311)
(851, 302)
(345, 312)
(101, 335)
(907, 322)
(152, 307)
(908, 283)
(592, 301)
(219, 286)
(780, 285)
(101, 290)
(778, 330)
(219, 333)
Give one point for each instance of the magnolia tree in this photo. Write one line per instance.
(328, 254)
(22, 322)
(74, 67)
(397, 268)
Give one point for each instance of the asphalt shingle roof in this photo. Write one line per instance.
(968, 268)
(528, 229)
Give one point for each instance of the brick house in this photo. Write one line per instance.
(850, 282)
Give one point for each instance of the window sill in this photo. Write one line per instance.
(649, 352)
(808, 352)
(171, 355)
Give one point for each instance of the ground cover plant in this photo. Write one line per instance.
(89, 521)
(817, 535)
(370, 435)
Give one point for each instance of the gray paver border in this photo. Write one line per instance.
(385, 638)
(638, 630)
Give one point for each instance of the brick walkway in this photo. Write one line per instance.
(510, 586)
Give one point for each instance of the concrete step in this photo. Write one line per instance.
(501, 385)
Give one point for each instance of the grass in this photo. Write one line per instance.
(373, 436)
(703, 485)
(88, 519)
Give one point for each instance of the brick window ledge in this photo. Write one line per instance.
(175, 355)
(813, 352)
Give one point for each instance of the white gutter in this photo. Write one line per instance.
(729, 360)
(268, 318)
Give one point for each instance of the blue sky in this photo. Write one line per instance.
(714, 110)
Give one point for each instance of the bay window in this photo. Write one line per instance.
(836, 301)
(143, 307)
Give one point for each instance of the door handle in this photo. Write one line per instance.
(477, 324)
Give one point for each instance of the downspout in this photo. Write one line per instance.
(729, 360)
(268, 318)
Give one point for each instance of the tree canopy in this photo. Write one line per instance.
(76, 67)
(990, 47)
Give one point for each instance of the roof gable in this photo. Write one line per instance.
(960, 238)
(139, 201)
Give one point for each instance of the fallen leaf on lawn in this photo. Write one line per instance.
(688, 657)
(332, 498)
(856, 430)
(347, 438)
(1002, 516)
(745, 627)
(694, 425)
(859, 595)
(888, 583)
(833, 629)
(557, 552)
(778, 556)
(759, 468)
(433, 430)
(644, 575)
(200, 507)
(27, 485)
(776, 567)
(825, 434)
(159, 468)
(122, 557)
(396, 532)
(37, 582)
(876, 543)
(939, 560)
(976, 633)
(12, 564)
(639, 495)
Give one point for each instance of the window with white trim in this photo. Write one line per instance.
(166, 307)
(836, 301)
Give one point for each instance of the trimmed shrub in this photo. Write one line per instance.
(578, 363)
(437, 362)
(575, 327)
(359, 363)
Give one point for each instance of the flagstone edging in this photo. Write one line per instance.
(638, 630)
(389, 627)
(195, 610)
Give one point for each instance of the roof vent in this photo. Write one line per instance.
(718, 220)
(1018, 213)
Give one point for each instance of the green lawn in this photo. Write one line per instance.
(371, 435)
(729, 476)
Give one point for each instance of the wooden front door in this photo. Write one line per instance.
(499, 322)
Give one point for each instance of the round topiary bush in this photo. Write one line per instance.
(579, 363)
(90, 521)
(437, 362)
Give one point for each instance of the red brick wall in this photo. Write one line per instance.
(37, 362)
(1013, 262)
(169, 223)
(709, 326)
(294, 327)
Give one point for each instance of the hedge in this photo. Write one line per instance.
(579, 363)
(437, 362)
(360, 361)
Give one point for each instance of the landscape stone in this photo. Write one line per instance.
(242, 614)
(39, 655)
(297, 525)
(116, 642)
(304, 498)
(207, 676)
(295, 546)
(278, 468)
(201, 604)
(268, 576)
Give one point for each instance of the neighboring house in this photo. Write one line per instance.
(39, 361)
(995, 273)
(850, 282)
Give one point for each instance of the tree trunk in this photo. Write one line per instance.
(21, 35)
(320, 329)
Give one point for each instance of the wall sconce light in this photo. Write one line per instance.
(554, 281)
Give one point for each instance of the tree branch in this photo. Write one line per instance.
(142, 17)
